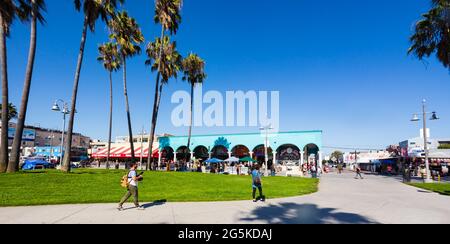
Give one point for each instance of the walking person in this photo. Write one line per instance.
(132, 185)
(313, 170)
(257, 184)
(358, 172)
(340, 168)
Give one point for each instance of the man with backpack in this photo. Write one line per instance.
(130, 181)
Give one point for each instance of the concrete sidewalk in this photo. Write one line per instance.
(341, 199)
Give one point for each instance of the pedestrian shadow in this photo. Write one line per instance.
(293, 213)
(155, 203)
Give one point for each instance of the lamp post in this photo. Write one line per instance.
(266, 145)
(142, 150)
(425, 139)
(50, 138)
(65, 111)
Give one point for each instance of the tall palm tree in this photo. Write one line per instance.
(167, 13)
(163, 58)
(110, 58)
(93, 10)
(432, 33)
(194, 74)
(31, 11)
(128, 35)
(8, 11)
(12, 112)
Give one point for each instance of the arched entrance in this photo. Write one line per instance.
(167, 154)
(220, 152)
(259, 154)
(201, 152)
(288, 154)
(240, 151)
(183, 154)
(311, 153)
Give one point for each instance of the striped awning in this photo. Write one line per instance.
(123, 152)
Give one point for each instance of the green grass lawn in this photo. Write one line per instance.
(441, 188)
(102, 186)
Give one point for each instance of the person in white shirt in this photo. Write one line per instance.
(133, 179)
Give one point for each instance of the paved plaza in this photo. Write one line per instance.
(341, 199)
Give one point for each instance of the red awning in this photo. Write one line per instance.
(124, 152)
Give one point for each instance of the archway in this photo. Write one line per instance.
(220, 152)
(288, 153)
(201, 152)
(167, 154)
(183, 154)
(240, 151)
(311, 153)
(259, 154)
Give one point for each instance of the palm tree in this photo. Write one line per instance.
(128, 35)
(164, 58)
(109, 56)
(12, 112)
(93, 10)
(167, 13)
(432, 33)
(30, 10)
(194, 74)
(8, 11)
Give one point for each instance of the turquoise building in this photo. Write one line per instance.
(294, 146)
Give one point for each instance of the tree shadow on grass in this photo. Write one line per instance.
(293, 213)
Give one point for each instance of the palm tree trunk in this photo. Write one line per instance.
(155, 107)
(67, 151)
(13, 165)
(190, 124)
(110, 118)
(4, 70)
(127, 106)
(153, 124)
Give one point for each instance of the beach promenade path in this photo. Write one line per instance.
(341, 199)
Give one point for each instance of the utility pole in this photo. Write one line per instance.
(142, 151)
(266, 145)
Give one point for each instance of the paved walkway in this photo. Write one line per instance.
(341, 199)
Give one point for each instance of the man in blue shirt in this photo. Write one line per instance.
(256, 183)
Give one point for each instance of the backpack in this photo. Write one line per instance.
(124, 182)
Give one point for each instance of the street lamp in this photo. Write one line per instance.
(425, 140)
(50, 138)
(266, 145)
(142, 149)
(65, 111)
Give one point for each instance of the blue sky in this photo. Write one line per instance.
(340, 66)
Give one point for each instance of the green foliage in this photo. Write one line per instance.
(8, 11)
(126, 33)
(432, 33)
(167, 13)
(109, 56)
(170, 61)
(28, 8)
(194, 69)
(95, 9)
(103, 186)
(337, 155)
(12, 111)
